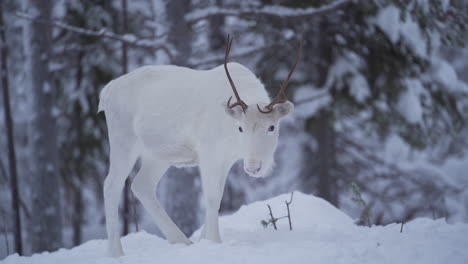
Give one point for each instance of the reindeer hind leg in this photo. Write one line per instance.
(122, 158)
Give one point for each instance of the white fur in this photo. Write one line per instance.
(175, 116)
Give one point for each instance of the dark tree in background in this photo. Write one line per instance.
(216, 34)
(46, 225)
(79, 79)
(316, 62)
(126, 191)
(15, 198)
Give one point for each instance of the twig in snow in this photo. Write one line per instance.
(289, 214)
(273, 219)
(401, 228)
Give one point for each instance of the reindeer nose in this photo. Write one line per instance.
(254, 169)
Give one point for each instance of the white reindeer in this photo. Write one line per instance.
(175, 116)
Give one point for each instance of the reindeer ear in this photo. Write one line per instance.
(235, 112)
(281, 110)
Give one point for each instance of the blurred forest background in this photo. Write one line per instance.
(379, 129)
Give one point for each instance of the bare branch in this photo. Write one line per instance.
(267, 11)
(131, 40)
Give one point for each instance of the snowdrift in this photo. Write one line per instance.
(321, 234)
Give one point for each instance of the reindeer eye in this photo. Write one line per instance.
(240, 129)
(271, 128)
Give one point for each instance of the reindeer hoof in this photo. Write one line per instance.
(185, 241)
(180, 239)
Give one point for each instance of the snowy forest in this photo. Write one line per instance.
(379, 128)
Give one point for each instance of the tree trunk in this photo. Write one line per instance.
(78, 212)
(46, 223)
(318, 58)
(180, 33)
(216, 34)
(15, 199)
(77, 220)
(126, 191)
(324, 133)
(325, 144)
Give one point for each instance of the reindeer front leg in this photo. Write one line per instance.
(213, 177)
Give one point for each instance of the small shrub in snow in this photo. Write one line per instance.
(364, 218)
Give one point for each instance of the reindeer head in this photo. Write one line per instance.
(259, 128)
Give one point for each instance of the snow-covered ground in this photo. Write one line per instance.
(321, 234)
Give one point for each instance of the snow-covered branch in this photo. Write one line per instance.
(266, 11)
(219, 58)
(129, 39)
(311, 98)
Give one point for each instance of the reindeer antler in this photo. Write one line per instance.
(239, 101)
(281, 96)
